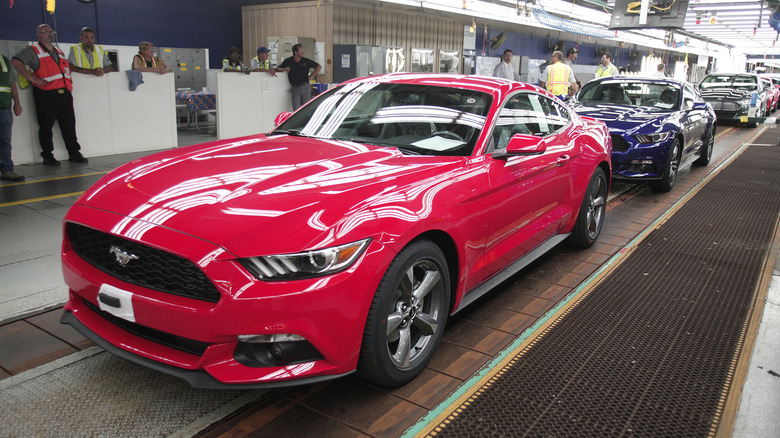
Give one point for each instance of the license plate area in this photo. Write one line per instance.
(117, 302)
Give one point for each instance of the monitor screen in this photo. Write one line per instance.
(662, 14)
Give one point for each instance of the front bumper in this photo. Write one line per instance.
(196, 378)
(197, 340)
(644, 163)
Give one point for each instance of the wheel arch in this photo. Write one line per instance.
(446, 243)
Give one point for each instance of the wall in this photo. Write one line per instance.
(211, 24)
(538, 44)
(343, 22)
(110, 119)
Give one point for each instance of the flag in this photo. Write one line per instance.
(50, 6)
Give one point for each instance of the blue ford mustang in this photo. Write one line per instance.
(658, 125)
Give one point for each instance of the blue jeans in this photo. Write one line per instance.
(6, 121)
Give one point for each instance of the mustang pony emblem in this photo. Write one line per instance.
(122, 257)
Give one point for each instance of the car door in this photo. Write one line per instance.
(527, 193)
(694, 120)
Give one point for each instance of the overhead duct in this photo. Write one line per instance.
(546, 19)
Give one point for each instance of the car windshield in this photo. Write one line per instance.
(738, 82)
(656, 95)
(417, 119)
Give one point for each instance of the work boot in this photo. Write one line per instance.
(12, 176)
(50, 161)
(78, 158)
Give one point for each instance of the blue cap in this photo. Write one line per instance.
(262, 49)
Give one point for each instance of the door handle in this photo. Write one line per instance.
(563, 159)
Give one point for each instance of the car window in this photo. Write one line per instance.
(738, 82)
(528, 113)
(658, 95)
(418, 119)
(689, 97)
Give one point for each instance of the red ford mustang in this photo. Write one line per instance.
(340, 241)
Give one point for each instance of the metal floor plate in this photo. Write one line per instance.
(652, 348)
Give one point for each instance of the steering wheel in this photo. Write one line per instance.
(450, 134)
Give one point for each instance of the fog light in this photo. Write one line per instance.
(277, 351)
(274, 350)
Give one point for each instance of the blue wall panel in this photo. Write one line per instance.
(539, 47)
(215, 25)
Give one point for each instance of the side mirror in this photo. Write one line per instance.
(699, 106)
(281, 118)
(522, 144)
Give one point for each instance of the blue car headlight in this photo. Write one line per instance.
(307, 264)
(652, 138)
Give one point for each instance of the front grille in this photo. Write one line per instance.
(183, 344)
(152, 269)
(619, 144)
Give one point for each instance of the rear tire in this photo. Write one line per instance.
(706, 149)
(590, 218)
(407, 317)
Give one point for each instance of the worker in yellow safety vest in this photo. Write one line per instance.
(607, 68)
(558, 78)
(88, 58)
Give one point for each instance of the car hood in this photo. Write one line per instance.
(620, 118)
(286, 192)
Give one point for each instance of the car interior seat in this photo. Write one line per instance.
(616, 95)
(669, 97)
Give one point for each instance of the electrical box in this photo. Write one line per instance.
(188, 65)
(357, 61)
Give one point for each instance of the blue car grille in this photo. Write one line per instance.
(619, 144)
(152, 268)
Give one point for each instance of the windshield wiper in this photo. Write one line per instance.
(294, 132)
(407, 151)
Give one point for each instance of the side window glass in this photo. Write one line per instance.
(528, 113)
(514, 118)
(689, 97)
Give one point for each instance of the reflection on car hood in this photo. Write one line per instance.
(724, 93)
(623, 118)
(246, 188)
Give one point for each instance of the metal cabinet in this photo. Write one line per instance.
(189, 66)
(357, 61)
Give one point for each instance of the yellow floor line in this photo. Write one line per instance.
(44, 198)
(81, 175)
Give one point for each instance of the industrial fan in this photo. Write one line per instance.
(497, 41)
(557, 46)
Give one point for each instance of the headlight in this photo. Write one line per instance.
(652, 138)
(309, 264)
(745, 103)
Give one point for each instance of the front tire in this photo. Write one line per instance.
(590, 219)
(666, 183)
(407, 317)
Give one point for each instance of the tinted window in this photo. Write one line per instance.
(660, 95)
(738, 82)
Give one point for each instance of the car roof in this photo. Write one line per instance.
(647, 79)
(485, 84)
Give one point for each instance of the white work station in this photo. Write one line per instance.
(111, 119)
